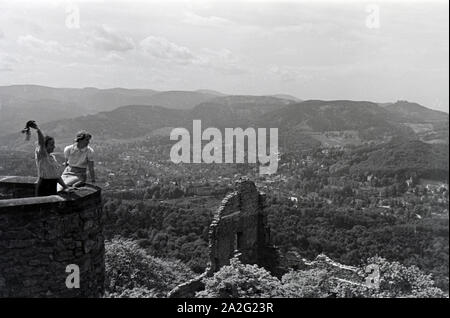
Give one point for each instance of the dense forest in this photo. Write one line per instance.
(179, 230)
(403, 158)
(132, 272)
(171, 231)
(350, 236)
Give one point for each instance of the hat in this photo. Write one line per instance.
(83, 134)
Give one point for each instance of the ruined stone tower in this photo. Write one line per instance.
(41, 236)
(239, 226)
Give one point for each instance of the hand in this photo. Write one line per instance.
(67, 189)
(32, 124)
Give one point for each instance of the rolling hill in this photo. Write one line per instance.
(122, 123)
(63, 111)
(14, 112)
(19, 103)
(135, 121)
(237, 110)
(317, 115)
(413, 112)
(334, 123)
(429, 125)
(427, 160)
(394, 143)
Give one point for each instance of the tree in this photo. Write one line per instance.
(399, 281)
(395, 280)
(130, 272)
(305, 283)
(239, 280)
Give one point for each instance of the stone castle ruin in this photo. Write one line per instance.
(239, 226)
(41, 236)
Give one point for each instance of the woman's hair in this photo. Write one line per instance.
(47, 139)
(83, 134)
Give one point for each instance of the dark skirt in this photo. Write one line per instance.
(46, 187)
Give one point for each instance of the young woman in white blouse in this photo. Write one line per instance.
(79, 160)
(49, 174)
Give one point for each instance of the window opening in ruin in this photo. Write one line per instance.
(239, 241)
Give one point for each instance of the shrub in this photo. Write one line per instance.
(397, 280)
(131, 272)
(239, 280)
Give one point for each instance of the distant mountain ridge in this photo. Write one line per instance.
(333, 123)
(18, 103)
(318, 115)
(121, 123)
(429, 125)
(289, 97)
(412, 111)
(236, 110)
(301, 124)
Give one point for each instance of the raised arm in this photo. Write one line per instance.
(41, 139)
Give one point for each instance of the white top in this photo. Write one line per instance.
(47, 166)
(77, 157)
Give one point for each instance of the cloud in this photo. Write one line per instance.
(2, 35)
(7, 63)
(113, 57)
(5, 68)
(288, 73)
(210, 21)
(297, 28)
(223, 61)
(163, 49)
(30, 42)
(104, 38)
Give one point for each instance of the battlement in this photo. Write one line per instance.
(41, 236)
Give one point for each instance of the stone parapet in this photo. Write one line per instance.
(41, 236)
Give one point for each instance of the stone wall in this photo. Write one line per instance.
(41, 236)
(339, 275)
(17, 187)
(239, 226)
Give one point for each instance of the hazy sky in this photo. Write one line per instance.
(313, 50)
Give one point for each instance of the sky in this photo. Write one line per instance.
(381, 51)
